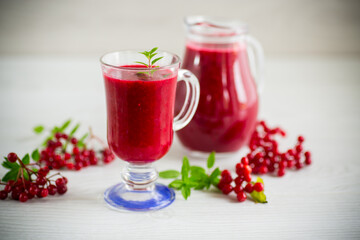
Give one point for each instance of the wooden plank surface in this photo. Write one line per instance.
(317, 97)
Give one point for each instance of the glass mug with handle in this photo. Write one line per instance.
(140, 123)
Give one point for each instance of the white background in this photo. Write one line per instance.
(49, 71)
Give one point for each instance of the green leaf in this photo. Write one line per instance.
(216, 173)
(11, 175)
(55, 130)
(215, 182)
(176, 184)
(153, 70)
(200, 186)
(38, 129)
(26, 159)
(35, 155)
(155, 60)
(64, 126)
(166, 75)
(196, 170)
(26, 175)
(207, 183)
(145, 53)
(10, 165)
(35, 170)
(259, 197)
(147, 73)
(153, 50)
(153, 55)
(185, 169)
(192, 184)
(196, 178)
(82, 140)
(211, 160)
(142, 63)
(169, 174)
(73, 131)
(185, 191)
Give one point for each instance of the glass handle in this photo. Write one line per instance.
(191, 99)
(256, 58)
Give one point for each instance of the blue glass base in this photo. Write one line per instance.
(120, 197)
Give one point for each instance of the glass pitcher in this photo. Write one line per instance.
(227, 62)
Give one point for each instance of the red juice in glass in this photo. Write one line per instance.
(140, 102)
(140, 115)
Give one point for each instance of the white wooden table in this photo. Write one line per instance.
(317, 97)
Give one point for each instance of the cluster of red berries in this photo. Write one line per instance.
(243, 171)
(36, 184)
(56, 156)
(265, 156)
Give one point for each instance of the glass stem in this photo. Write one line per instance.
(139, 177)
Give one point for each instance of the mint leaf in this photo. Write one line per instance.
(215, 182)
(192, 184)
(35, 155)
(11, 175)
(185, 191)
(147, 73)
(196, 170)
(155, 60)
(169, 174)
(259, 197)
(215, 177)
(149, 55)
(166, 75)
(177, 184)
(142, 63)
(64, 126)
(153, 70)
(26, 159)
(216, 173)
(185, 169)
(38, 129)
(200, 186)
(211, 160)
(153, 50)
(145, 53)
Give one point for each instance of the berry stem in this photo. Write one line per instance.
(55, 175)
(23, 167)
(93, 136)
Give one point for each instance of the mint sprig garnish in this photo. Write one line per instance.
(150, 61)
(193, 177)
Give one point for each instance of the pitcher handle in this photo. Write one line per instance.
(256, 58)
(191, 99)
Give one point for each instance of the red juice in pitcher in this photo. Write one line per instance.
(228, 106)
